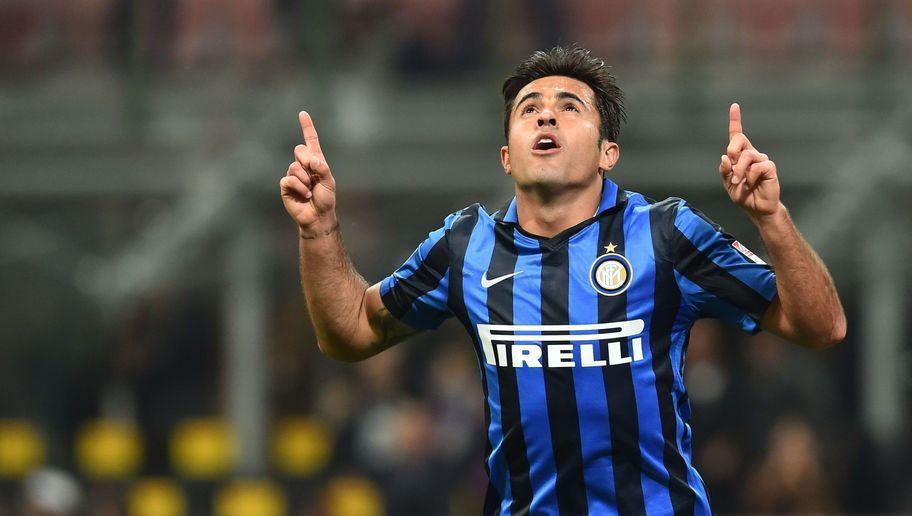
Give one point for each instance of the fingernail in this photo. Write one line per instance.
(308, 196)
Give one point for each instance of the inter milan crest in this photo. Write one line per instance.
(611, 273)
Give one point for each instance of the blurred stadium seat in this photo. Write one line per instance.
(352, 496)
(109, 449)
(301, 446)
(22, 448)
(250, 498)
(156, 497)
(203, 449)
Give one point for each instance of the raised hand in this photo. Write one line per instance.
(308, 188)
(748, 175)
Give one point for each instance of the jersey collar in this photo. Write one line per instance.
(612, 196)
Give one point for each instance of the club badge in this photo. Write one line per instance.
(611, 273)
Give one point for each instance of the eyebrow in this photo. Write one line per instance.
(527, 96)
(560, 95)
(568, 95)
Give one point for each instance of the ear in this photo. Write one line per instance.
(505, 159)
(609, 154)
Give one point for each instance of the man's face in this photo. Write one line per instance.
(554, 135)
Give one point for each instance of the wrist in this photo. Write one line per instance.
(777, 217)
(316, 231)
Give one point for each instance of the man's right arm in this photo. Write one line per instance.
(349, 317)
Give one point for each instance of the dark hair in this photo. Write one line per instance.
(574, 62)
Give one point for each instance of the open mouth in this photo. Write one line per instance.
(545, 144)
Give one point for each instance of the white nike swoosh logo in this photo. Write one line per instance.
(486, 283)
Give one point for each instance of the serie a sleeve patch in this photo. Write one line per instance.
(741, 248)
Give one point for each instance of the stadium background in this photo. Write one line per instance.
(156, 358)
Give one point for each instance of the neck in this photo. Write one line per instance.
(546, 213)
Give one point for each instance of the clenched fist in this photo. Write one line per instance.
(748, 175)
(308, 189)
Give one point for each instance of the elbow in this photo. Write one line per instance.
(341, 353)
(834, 335)
(838, 333)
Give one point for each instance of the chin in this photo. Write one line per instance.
(544, 178)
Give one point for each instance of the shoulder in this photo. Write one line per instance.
(464, 220)
(669, 219)
(671, 211)
(659, 211)
(459, 225)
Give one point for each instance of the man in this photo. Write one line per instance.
(578, 296)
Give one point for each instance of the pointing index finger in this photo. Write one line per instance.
(734, 120)
(311, 139)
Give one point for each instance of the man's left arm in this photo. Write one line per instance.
(806, 309)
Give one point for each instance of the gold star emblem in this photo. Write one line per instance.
(610, 247)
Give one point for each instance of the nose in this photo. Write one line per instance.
(546, 118)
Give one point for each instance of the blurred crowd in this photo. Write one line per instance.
(129, 419)
(435, 36)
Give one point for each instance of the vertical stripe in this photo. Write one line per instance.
(622, 409)
(667, 302)
(612, 195)
(684, 435)
(559, 386)
(530, 380)
(592, 406)
(478, 257)
(462, 236)
(679, 339)
(500, 311)
(638, 243)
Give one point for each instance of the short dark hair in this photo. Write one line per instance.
(577, 63)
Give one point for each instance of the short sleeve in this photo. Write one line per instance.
(417, 292)
(718, 275)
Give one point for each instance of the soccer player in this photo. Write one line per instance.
(578, 296)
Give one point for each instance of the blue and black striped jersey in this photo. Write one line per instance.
(580, 340)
